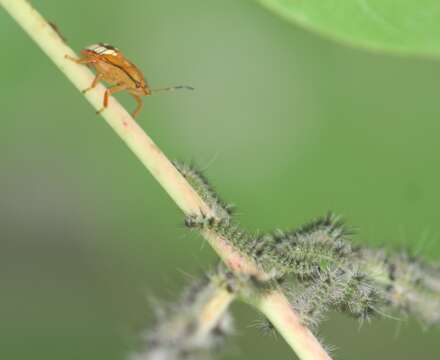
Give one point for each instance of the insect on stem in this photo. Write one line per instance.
(114, 68)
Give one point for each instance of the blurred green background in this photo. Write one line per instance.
(286, 124)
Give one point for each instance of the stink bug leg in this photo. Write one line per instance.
(108, 92)
(85, 60)
(139, 106)
(94, 83)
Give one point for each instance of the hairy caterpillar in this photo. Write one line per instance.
(345, 289)
(327, 272)
(408, 284)
(179, 333)
(305, 252)
(201, 185)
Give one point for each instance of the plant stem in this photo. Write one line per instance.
(275, 305)
(214, 309)
(278, 310)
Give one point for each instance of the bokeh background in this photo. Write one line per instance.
(286, 124)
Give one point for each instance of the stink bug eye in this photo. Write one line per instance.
(114, 68)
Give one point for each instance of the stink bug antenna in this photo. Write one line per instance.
(172, 88)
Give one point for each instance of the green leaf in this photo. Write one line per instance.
(403, 26)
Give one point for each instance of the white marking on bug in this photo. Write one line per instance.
(109, 52)
(103, 49)
(93, 47)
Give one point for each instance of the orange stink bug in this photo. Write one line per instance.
(112, 67)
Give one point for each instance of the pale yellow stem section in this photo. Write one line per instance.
(214, 309)
(279, 311)
(274, 306)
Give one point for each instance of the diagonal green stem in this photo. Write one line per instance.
(275, 306)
